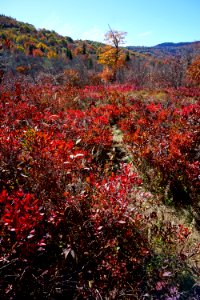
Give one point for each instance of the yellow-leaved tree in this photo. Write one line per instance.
(111, 55)
(193, 71)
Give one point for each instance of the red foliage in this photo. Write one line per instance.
(167, 139)
(21, 217)
(62, 195)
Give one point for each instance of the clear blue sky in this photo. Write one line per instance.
(147, 22)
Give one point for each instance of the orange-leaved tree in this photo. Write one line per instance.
(111, 55)
(193, 71)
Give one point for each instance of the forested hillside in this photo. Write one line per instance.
(44, 53)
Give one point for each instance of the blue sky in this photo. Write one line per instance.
(147, 22)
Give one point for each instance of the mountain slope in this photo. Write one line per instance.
(25, 49)
(45, 53)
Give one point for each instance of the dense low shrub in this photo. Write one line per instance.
(75, 223)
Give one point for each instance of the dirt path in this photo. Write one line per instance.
(150, 203)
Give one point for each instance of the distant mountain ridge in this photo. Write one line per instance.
(170, 44)
(168, 48)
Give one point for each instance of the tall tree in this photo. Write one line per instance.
(111, 55)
